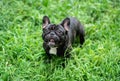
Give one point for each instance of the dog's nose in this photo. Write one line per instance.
(52, 33)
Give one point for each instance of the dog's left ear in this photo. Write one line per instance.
(45, 21)
(66, 23)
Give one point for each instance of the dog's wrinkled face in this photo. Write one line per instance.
(53, 35)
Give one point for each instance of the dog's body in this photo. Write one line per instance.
(58, 38)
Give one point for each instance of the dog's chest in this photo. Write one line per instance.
(53, 51)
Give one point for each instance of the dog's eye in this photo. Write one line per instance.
(46, 31)
(59, 32)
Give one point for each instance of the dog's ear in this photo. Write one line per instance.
(66, 23)
(45, 21)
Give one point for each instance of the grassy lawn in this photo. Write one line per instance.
(22, 55)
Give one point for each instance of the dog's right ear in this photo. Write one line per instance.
(45, 21)
(66, 23)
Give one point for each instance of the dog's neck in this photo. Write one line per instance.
(53, 50)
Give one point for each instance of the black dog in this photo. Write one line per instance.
(58, 38)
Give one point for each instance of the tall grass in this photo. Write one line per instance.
(22, 55)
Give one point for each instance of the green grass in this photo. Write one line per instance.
(21, 52)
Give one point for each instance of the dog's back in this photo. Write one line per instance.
(76, 29)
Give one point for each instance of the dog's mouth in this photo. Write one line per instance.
(51, 43)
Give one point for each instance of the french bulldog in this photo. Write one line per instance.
(58, 38)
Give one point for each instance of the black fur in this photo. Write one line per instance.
(61, 35)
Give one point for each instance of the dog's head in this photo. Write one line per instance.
(55, 35)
